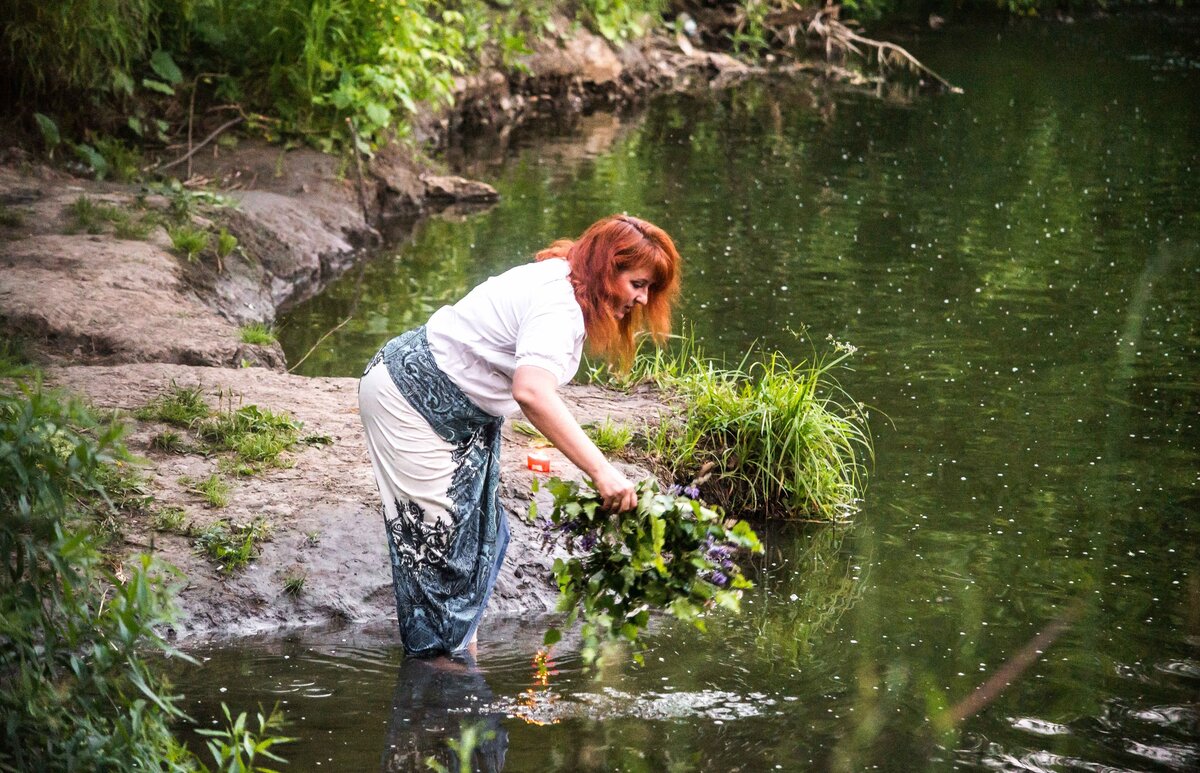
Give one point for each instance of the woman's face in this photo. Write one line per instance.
(633, 288)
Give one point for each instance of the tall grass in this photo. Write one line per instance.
(782, 437)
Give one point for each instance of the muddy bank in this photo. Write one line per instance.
(119, 318)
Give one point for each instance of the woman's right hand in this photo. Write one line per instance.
(616, 491)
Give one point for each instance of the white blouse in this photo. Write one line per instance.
(526, 316)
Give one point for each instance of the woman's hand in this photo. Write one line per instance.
(618, 493)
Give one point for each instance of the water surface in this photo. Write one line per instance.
(1019, 267)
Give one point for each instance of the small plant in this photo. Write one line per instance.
(169, 519)
(312, 538)
(232, 546)
(671, 552)
(609, 437)
(462, 749)
(188, 241)
(258, 334)
(13, 361)
(11, 218)
(293, 584)
(212, 489)
(86, 216)
(257, 437)
(169, 441)
(133, 228)
(238, 749)
(226, 244)
(180, 406)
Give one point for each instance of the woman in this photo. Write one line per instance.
(433, 399)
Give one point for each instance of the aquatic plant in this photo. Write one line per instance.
(237, 748)
(671, 553)
(783, 438)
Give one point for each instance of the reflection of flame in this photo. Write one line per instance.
(543, 667)
(532, 703)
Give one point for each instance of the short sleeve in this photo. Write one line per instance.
(551, 337)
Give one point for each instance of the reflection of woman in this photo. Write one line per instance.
(432, 401)
(430, 708)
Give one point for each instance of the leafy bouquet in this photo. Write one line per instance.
(672, 552)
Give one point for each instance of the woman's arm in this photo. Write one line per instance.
(536, 391)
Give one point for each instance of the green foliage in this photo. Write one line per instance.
(259, 334)
(623, 20)
(75, 691)
(169, 441)
(11, 218)
(169, 519)
(226, 244)
(780, 440)
(187, 240)
(14, 363)
(231, 546)
(257, 436)
(180, 406)
(462, 749)
(212, 489)
(293, 584)
(609, 436)
(236, 748)
(670, 553)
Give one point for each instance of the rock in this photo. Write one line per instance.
(451, 188)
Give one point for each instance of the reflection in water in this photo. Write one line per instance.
(440, 709)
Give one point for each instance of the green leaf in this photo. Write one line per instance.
(553, 636)
(93, 158)
(49, 130)
(378, 114)
(158, 86)
(164, 66)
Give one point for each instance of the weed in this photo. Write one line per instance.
(256, 436)
(259, 334)
(188, 241)
(231, 546)
(170, 519)
(86, 216)
(609, 436)
(293, 584)
(212, 489)
(126, 226)
(226, 244)
(181, 406)
(236, 747)
(781, 438)
(124, 486)
(14, 363)
(169, 441)
(312, 538)
(11, 218)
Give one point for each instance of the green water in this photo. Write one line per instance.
(1020, 269)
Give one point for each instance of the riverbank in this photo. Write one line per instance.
(109, 306)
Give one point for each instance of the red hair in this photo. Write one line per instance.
(608, 247)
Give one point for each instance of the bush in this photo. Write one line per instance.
(75, 690)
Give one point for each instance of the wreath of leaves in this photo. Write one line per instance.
(672, 553)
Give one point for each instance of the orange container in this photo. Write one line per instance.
(538, 461)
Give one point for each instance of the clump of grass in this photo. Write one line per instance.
(11, 218)
(259, 334)
(170, 519)
(180, 406)
(293, 583)
(169, 441)
(257, 437)
(609, 436)
(87, 216)
(14, 363)
(187, 240)
(226, 244)
(783, 437)
(213, 489)
(124, 486)
(312, 538)
(126, 226)
(231, 546)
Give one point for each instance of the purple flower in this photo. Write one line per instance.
(717, 578)
(691, 492)
(589, 540)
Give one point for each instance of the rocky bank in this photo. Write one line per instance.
(121, 320)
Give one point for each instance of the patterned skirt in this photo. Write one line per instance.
(436, 458)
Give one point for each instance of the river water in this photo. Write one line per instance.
(1019, 267)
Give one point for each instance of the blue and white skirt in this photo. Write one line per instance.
(436, 457)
